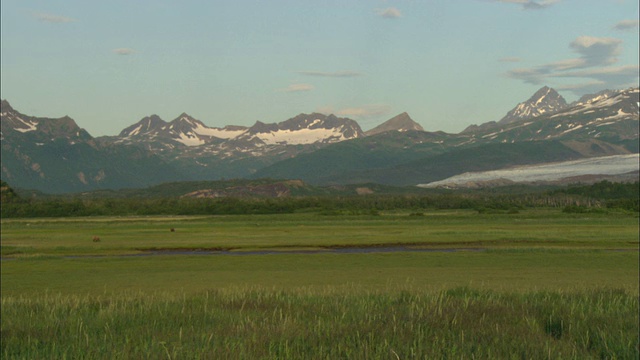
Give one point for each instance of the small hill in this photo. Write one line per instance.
(261, 188)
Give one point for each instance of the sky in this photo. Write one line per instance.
(448, 64)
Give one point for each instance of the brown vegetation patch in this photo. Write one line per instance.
(276, 190)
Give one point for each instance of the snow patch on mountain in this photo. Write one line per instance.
(30, 126)
(302, 136)
(135, 131)
(217, 132)
(189, 139)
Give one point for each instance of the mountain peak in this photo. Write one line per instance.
(184, 117)
(5, 107)
(144, 126)
(546, 100)
(542, 92)
(185, 123)
(260, 127)
(401, 122)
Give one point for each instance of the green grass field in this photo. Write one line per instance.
(537, 284)
(442, 229)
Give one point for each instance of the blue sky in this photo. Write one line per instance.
(448, 64)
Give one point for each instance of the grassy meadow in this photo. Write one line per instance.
(536, 284)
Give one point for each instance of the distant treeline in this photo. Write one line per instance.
(603, 195)
(615, 195)
(604, 190)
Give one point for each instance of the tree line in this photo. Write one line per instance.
(604, 195)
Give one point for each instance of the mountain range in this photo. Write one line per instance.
(57, 156)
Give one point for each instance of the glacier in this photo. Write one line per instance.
(605, 165)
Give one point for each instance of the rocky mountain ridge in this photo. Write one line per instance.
(599, 126)
(39, 129)
(592, 113)
(544, 101)
(302, 129)
(57, 155)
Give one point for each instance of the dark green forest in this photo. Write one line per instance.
(601, 196)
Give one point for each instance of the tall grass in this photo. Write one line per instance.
(255, 323)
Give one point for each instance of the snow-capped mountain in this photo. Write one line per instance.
(544, 101)
(146, 127)
(203, 152)
(401, 123)
(608, 105)
(603, 125)
(40, 130)
(184, 130)
(12, 120)
(303, 129)
(56, 155)
(594, 97)
(610, 115)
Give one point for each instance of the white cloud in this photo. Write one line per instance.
(535, 5)
(124, 51)
(606, 73)
(530, 4)
(589, 87)
(510, 59)
(389, 13)
(534, 76)
(597, 51)
(363, 111)
(50, 18)
(596, 56)
(298, 88)
(566, 64)
(626, 25)
(594, 79)
(592, 87)
(580, 87)
(338, 74)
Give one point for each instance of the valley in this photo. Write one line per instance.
(549, 282)
(319, 180)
